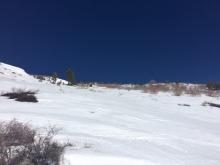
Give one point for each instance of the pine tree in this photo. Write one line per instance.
(70, 77)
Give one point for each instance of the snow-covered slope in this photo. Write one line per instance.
(9, 71)
(119, 127)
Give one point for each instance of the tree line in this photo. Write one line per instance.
(70, 78)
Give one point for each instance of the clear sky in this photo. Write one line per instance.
(126, 41)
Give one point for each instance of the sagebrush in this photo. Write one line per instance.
(20, 144)
(22, 95)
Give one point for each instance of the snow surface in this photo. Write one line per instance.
(118, 127)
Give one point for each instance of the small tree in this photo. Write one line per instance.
(70, 77)
(54, 78)
(213, 85)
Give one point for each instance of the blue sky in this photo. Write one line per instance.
(120, 41)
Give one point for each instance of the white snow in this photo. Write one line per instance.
(119, 127)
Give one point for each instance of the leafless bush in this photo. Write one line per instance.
(20, 144)
(151, 88)
(185, 105)
(40, 77)
(210, 104)
(213, 85)
(85, 85)
(178, 89)
(82, 85)
(112, 86)
(194, 91)
(27, 98)
(155, 88)
(212, 93)
(22, 95)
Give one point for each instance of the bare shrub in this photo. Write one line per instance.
(185, 105)
(40, 77)
(59, 83)
(151, 88)
(193, 91)
(14, 136)
(112, 86)
(20, 144)
(54, 78)
(210, 104)
(178, 89)
(177, 92)
(27, 98)
(22, 95)
(84, 85)
(155, 88)
(136, 87)
(212, 93)
(213, 85)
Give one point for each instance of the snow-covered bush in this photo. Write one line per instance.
(22, 144)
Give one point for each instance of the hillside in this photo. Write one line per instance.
(118, 127)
